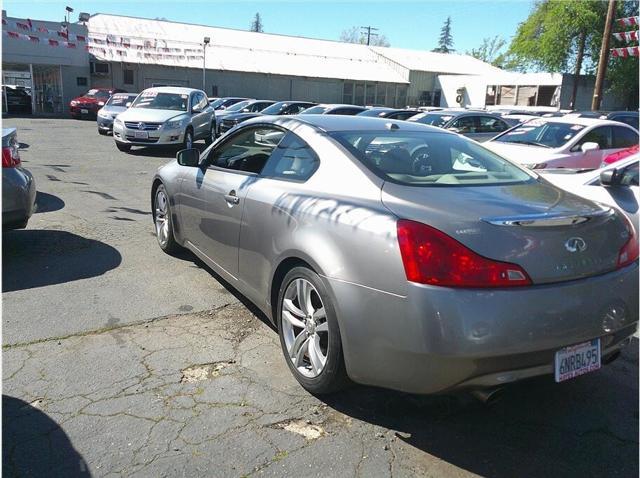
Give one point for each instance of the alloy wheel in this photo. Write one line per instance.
(305, 328)
(161, 217)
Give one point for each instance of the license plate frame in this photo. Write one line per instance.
(84, 111)
(141, 135)
(578, 359)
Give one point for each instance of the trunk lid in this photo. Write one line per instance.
(554, 235)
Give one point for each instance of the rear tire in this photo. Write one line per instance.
(125, 148)
(163, 221)
(212, 135)
(309, 333)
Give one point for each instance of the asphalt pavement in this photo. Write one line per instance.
(119, 360)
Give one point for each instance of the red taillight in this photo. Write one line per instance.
(630, 250)
(10, 157)
(432, 257)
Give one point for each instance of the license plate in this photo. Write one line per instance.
(576, 360)
(84, 111)
(141, 134)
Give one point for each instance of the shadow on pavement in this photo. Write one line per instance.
(584, 427)
(161, 151)
(34, 445)
(36, 258)
(48, 202)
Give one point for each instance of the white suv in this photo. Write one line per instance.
(165, 116)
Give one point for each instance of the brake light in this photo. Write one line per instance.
(629, 252)
(10, 157)
(432, 257)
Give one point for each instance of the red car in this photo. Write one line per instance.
(89, 103)
(618, 155)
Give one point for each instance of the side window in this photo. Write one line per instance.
(489, 124)
(203, 102)
(404, 115)
(194, 101)
(630, 175)
(624, 137)
(248, 150)
(466, 124)
(627, 119)
(293, 159)
(601, 135)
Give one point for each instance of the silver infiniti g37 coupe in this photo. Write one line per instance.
(401, 255)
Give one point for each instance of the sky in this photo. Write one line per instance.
(413, 24)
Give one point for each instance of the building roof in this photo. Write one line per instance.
(421, 60)
(139, 40)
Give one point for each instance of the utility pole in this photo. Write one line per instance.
(369, 34)
(205, 44)
(604, 57)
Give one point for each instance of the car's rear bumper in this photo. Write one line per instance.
(18, 197)
(436, 338)
(159, 137)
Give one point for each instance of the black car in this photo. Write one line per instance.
(390, 113)
(277, 109)
(345, 110)
(224, 103)
(477, 125)
(18, 99)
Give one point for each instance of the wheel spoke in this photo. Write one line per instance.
(323, 327)
(292, 319)
(315, 355)
(304, 296)
(319, 314)
(297, 344)
(304, 347)
(292, 309)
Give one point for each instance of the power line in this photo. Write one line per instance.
(369, 34)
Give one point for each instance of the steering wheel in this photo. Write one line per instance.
(420, 163)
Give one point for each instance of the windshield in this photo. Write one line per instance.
(315, 110)
(120, 99)
(547, 134)
(430, 159)
(97, 94)
(374, 112)
(238, 106)
(274, 109)
(433, 119)
(161, 101)
(217, 103)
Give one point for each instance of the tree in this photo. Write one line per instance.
(489, 51)
(355, 35)
(256, 24)
(445, 43)
(565, 35)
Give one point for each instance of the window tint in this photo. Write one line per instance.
(248, 150)
(630, 175)
(293, 159)
(402, 115)
(601, 136)
(626, 119)
(489, 124)
(539, 132)
(624, 137)
(345, 111)
(429, 159)
(466, 124)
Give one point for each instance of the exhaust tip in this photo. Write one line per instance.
(488, 396)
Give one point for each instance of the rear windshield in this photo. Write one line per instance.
(161, 101)
(120, 99)
(430, 159)
(432, 119)
(97, 94)
(538, 132)
(315, 110)
(374, 112)
(238, 106)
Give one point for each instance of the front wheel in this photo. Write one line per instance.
(125, 148)
(187, 143)
(309, 332)
(102, 132)
(212, 135)
(163, 221)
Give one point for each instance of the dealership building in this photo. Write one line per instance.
(58, 62)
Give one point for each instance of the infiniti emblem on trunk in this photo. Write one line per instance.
(575, 244)
(141, 125)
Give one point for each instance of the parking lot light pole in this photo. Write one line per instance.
(205, 43)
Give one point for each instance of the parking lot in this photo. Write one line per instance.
(120, 359)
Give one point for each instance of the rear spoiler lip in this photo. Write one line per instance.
(548, 219)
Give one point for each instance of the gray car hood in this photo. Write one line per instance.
(151, 115)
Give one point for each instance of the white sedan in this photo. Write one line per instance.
(566, 142)
(615, 185)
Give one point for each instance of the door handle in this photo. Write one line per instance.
(231, 198)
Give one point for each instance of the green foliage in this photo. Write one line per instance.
(256, 24)
(445, 43)
(490, 51)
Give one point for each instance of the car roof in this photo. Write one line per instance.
(173, 89)
(340, 105)
(581, 120)
(461, 112)
(335, 123)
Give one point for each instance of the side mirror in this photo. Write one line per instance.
(610, 177)
(128, 104)
(188, 157)
(453, 129)
(195, 110)
(589, 146)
